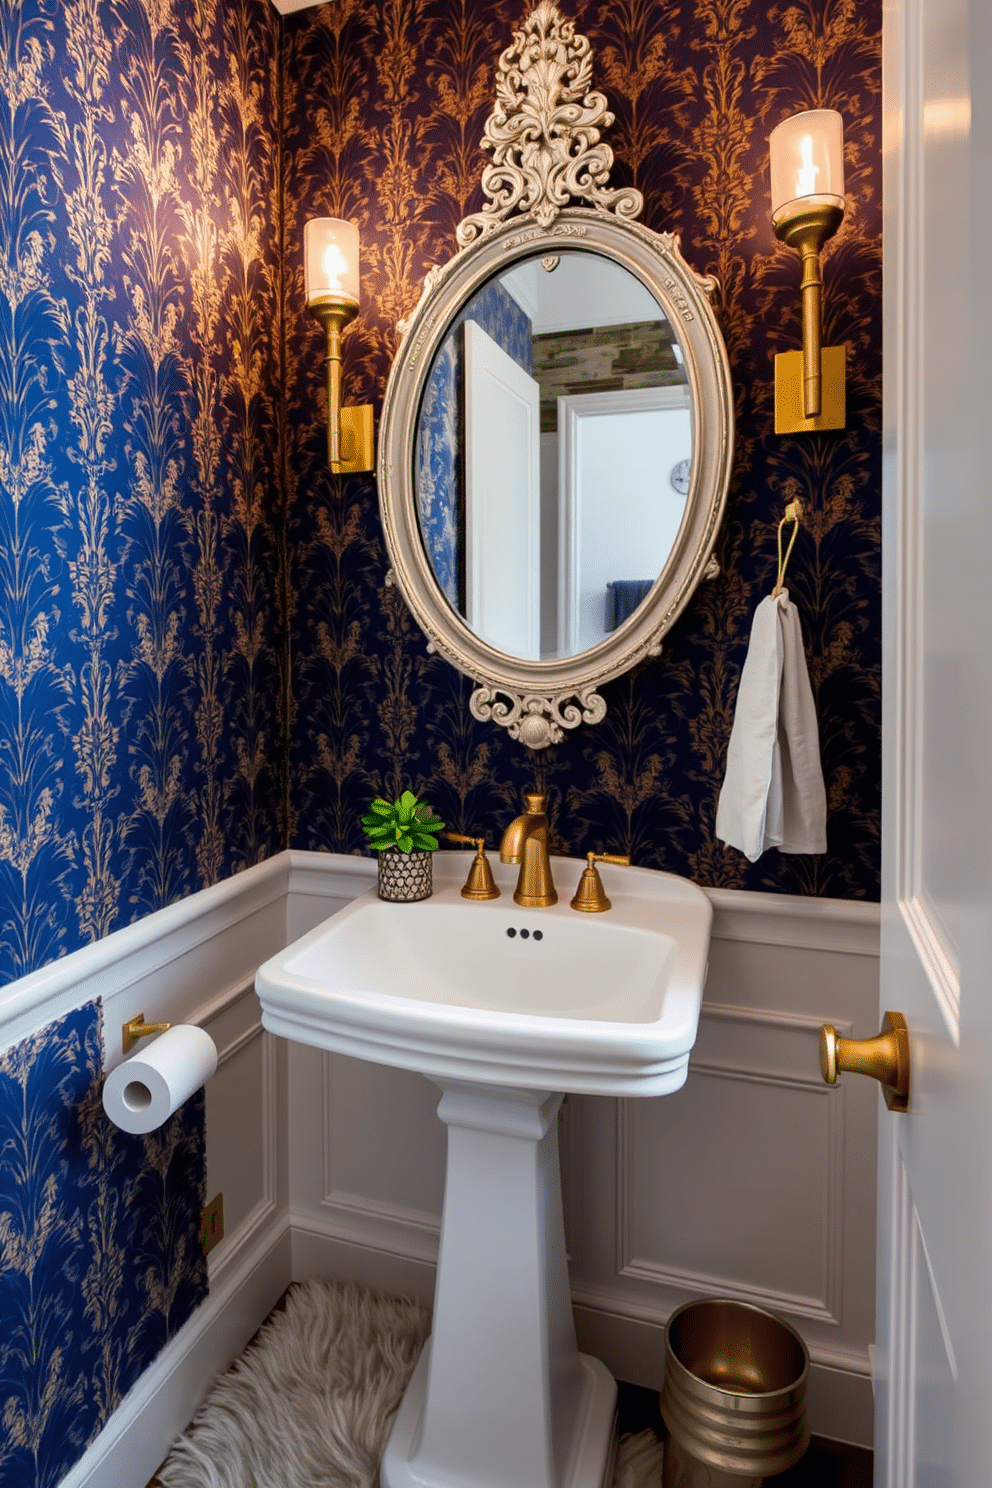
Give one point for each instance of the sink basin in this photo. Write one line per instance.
(600, 1004)
(504, 1008)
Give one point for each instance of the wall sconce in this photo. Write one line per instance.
(807, 169)
(330, 257)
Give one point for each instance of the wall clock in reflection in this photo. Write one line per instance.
(679, 478)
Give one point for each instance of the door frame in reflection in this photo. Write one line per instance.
(577, 631)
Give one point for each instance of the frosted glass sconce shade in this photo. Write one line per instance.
(330, 260)
(330, 273)
(807, 160)
(807, 177)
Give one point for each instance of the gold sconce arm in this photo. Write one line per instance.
(349, 430)
(807, 230)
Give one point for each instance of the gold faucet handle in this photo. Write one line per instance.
(590, 896)
(480, 883)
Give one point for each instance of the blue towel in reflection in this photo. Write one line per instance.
(622, 598)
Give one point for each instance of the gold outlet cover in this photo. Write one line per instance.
(789, 417)
(212, 1224)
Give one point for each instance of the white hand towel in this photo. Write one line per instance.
(773, 793)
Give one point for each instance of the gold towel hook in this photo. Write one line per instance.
(793, 513)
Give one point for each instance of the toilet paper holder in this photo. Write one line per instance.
(136, 1028)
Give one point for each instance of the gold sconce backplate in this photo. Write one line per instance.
(357, 453)
(789, 417)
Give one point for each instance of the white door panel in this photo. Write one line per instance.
(934, 1402)
(502, 497)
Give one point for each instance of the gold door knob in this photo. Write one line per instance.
(885, 1058)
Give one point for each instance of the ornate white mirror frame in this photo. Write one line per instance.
(544, 134)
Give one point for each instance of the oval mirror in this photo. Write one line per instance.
(553, 454)
(557, 432)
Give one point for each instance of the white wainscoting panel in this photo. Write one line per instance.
(242, 1122)
(361, 1139)
(770, 1187)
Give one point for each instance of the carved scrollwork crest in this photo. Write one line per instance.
(537, 719)
(545, 131)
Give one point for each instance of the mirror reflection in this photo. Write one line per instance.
(554, 450)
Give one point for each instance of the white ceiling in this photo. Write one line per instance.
(286, 7)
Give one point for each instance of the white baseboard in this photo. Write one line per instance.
(317, 1251)
(141, 1430)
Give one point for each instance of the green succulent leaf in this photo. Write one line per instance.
(407, 823)
(382, 840)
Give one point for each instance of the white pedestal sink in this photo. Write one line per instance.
(503, 1008)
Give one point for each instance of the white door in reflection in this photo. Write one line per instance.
(618, 511)
(502, 497)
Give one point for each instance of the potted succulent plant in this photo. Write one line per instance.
(404, 834)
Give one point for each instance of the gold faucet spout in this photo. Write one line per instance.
(525, 841)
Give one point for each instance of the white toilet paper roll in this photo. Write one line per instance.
(144, 1091)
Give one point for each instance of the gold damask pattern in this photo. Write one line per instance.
(99, 1259)
(140, 648)
(385, 106)
(142, 710)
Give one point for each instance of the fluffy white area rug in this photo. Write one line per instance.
(310, 1402)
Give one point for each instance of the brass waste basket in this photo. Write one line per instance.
(734, 1397)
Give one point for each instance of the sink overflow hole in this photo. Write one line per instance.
(525, 934)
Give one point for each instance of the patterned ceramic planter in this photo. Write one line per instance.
(405, 877)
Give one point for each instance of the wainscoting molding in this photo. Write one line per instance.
(823, 1303)
(335, 1168)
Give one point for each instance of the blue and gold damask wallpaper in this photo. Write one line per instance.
(140, 527)
(385, 102)
(157, 160)
(142, 645)
(99, 1261)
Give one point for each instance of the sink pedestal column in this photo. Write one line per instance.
(501, 1397)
